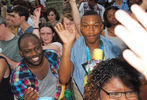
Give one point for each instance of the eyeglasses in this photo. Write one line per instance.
(117, 95)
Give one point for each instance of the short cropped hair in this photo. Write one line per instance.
(22, 11)
(103, 73)
(27, 35)
(90, 12)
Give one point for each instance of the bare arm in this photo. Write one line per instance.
(12, 63)
(75, 14)
(66, 67)
(3, 69)
(36, 21)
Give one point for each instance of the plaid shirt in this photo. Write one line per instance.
(22, 77)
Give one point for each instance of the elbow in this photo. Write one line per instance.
(64, 80)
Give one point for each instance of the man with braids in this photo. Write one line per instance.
(113, 79)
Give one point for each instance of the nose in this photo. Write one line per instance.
(123, 97)
(34, 53)
(91, 29)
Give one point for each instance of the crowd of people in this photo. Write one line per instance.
(93, 50)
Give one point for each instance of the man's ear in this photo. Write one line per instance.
(23, 18)
(20, 52)
(102, 26)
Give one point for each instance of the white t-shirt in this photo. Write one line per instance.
(43, 2)
(98, 8)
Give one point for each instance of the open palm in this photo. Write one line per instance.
(64, 34)
(134, 34)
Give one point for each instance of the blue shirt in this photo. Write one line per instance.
(29, 30)
(124, 6)
(79, 56)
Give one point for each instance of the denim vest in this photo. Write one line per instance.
(79, 56)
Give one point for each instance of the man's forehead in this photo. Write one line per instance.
(29, 40)
(13, 14)
(87, 19)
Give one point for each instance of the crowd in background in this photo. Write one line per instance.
(44, 51)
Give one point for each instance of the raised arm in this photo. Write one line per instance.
(66, 67)
(37, 12)
(75, 14)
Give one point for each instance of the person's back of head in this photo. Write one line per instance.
(21, 11)
(105, 71)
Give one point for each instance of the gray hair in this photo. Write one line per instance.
(2, 21)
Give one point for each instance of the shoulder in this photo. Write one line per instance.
(52, 56)
(79, 43)
(19, 73)
(108, 42)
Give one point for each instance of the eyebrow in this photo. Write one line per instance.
(11, 15)
(94, 23)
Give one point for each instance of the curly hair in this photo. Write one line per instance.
(104, 72)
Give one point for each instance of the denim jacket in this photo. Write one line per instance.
(79, 56)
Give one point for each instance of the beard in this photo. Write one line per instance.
(31, 64)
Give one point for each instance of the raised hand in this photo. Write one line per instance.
(37, 12)
(134, 34)
(31, 94)
(66, 36)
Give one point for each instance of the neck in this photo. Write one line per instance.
(24, 26)
(111, 31)
(53, 23)
(94, 45)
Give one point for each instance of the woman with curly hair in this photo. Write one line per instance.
(113, 80)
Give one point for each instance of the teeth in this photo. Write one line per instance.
(35, 59)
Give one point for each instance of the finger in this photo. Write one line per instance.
(135, 61)
(140, 14)
(57, 27)
(65, 26)
(133, 26)
(129, 39)
(35, 96)
(61, 27)
(27, 93)
(124, 35)
(30, 94)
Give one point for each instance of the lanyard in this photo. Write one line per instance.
(88, 50)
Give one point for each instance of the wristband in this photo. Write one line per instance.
(35, 28)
